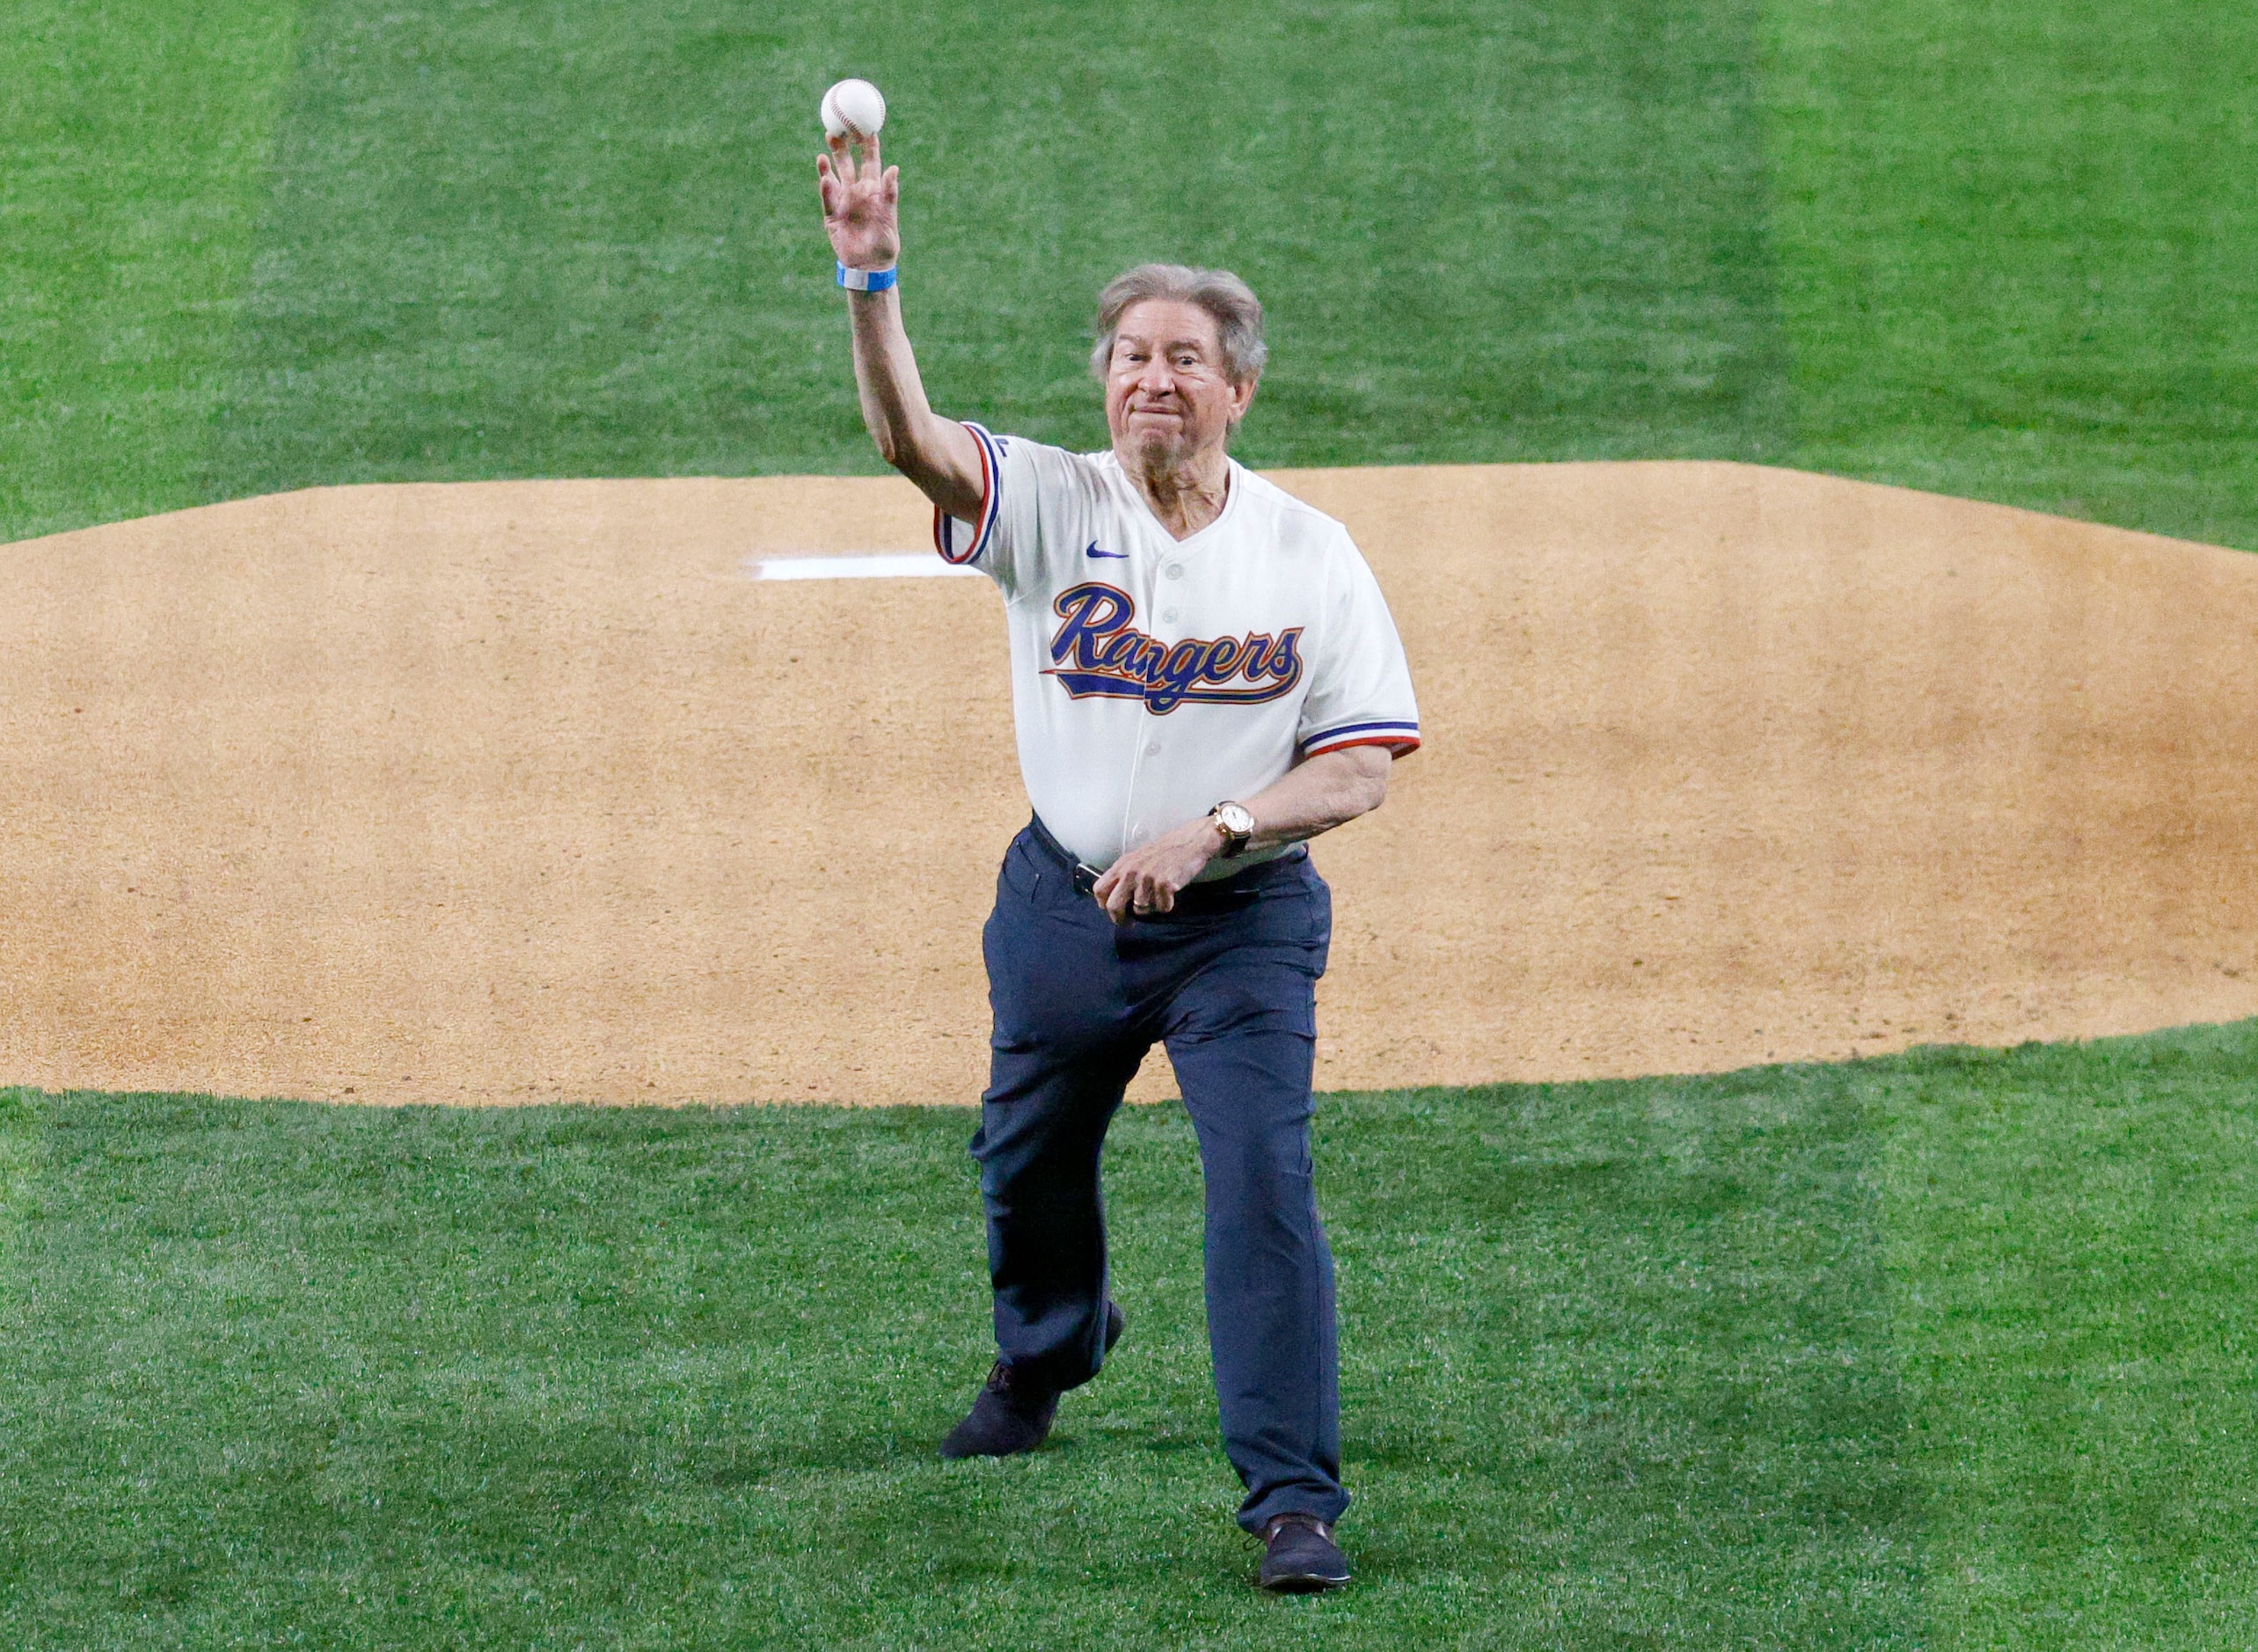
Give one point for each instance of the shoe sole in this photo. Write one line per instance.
(1302, 1583)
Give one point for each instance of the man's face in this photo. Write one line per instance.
(1166, 394)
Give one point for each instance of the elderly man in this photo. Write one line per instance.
(1204, 676)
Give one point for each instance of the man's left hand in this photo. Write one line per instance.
(1145, 880)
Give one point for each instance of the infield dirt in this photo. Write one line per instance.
(508, 792)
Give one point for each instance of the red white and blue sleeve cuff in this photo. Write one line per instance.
(947, 530)
(1403, 736)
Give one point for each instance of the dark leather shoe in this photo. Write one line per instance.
(1299, 1556)
(1013, 1413)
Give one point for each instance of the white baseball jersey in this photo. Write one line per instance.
(1153, 677)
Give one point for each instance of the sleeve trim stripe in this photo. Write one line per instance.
(1395, 725)
(991, 485)
(1402, 745)
(990, 475)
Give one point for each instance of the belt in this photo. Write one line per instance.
(1193, 897)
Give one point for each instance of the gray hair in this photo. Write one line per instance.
(1230, 301)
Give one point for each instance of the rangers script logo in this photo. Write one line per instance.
(1096, 650)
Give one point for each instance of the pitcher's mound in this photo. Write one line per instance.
(526, 791)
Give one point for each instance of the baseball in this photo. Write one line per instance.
(853, 108)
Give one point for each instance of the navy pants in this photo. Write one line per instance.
(1228, 981)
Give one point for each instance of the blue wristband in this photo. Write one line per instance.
(867, 281)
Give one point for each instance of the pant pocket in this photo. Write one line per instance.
(1025, 874)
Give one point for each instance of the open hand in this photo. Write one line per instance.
(1145, 880)
(859, 205)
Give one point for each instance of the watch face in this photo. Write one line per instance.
(1236, 819)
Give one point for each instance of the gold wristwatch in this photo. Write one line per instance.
(1238, 828)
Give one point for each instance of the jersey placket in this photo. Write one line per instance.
(1163, 611)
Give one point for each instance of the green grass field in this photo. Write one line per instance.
(2007, 249)
(1952, 1350)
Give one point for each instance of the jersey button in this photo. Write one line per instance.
(1170, 616)
(1175, 570)
(1152, 750)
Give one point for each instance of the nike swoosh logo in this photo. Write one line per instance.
(1093, 551)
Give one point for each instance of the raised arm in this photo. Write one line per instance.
(860, 213)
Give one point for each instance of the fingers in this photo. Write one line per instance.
(1149, 894)
(854, 168)
(840, 180)
(1111, 893)
(1128, 891)
(841, 166)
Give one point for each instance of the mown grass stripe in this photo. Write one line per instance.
(2019, 251)
(19, 1165)
(2072, 1236)
(20, 1162)
(134, 136)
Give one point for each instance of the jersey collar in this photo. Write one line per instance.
(1235, 475)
